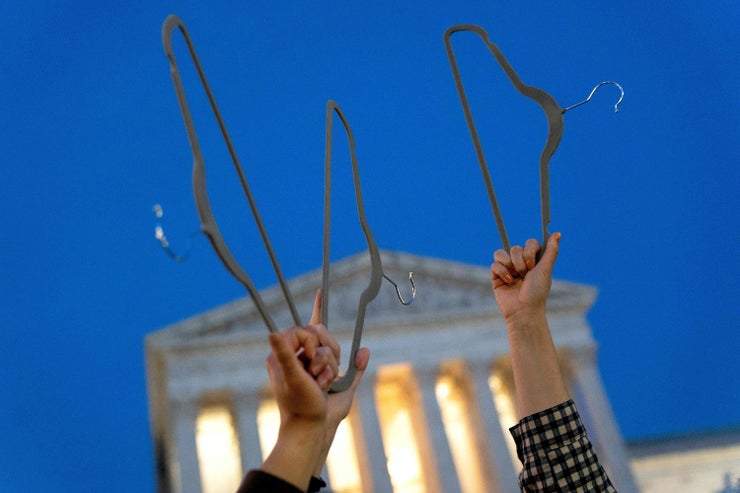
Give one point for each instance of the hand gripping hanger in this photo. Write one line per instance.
(211, 230)
(552, 110)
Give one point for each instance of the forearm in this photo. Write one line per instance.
(295, 454)
(537, 377)
(320, 458)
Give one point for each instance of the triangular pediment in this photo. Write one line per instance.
(444, 289)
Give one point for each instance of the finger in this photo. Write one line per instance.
(500, 275)
(283, 357)
(502, 257)
(325, 378)
(324, 359)
(273, 368)
(531, 249)
(302, 340)
(502, 266)
(317, 305)
(547, 262)
(325, 338)
(517, 260)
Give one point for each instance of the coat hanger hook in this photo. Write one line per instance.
(162, 238)
(398, 290)
(616, 106)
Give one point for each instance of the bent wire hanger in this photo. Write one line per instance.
(552, 110)
(376, 267)
(207, 220)
(211, 230)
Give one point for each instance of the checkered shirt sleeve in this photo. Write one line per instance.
(556, 454)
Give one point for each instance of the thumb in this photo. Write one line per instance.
(547, 262)
(362, 357)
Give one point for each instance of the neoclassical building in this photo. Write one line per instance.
(431, 415)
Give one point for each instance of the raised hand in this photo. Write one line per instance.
(518, 281)
(338, 404)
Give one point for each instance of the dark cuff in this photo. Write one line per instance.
(257, 481)
(315, 485)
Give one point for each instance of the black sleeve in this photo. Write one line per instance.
(257, 481)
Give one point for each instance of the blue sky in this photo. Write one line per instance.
(92, 139)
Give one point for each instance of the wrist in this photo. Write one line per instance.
(302, 433)
(537, 377)
(526, 320)
(295, 453)
(328, 438)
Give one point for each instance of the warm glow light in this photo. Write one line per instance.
(503, 399)
(443, 389)
(268, 424)
(342, 463)
(218, 450)
(457, 415)
(395, 407)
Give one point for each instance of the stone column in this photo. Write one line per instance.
(373, 437)
(442, 455)
(247, 406)
(184, 451)
(603, 428)
(503, 475)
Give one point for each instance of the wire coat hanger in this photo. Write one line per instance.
(553, 113)
(211, 230)
(207, 220)
(376, 266)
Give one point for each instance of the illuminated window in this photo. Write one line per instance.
(462, 424)
(501, 382)
(403, 429)
(343, 462)
(218, 449)
(268, 425)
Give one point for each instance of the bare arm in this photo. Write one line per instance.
(521, 287)
(302, 404)
(551, 440)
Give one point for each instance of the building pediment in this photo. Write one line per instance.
(445, 289)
